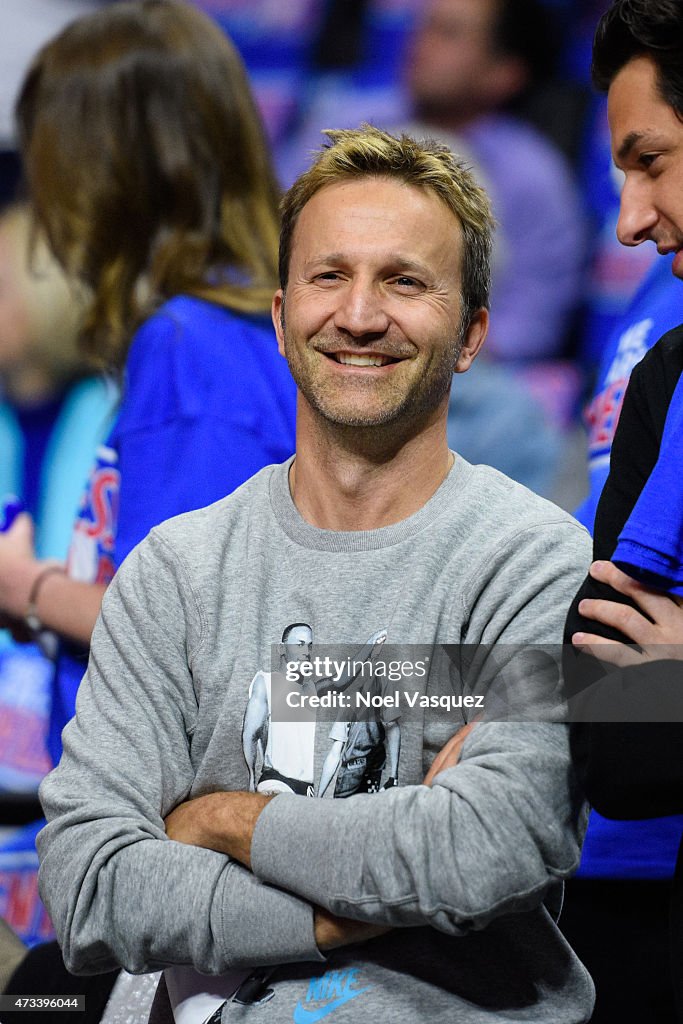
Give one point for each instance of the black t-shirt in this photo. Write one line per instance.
(630, 769)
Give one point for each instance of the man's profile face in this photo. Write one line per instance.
(372, 311)
(298, 644)
(647, 144)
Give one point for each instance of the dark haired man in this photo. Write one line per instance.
(634, 770)
(437, 901)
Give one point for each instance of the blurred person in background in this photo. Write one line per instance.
(53, 410)
(53, 413)
(146, 163)
(147, 167)
(469, 66)
(470, 63)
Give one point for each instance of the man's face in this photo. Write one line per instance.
(647, 144)
(298, 644)
(372, 311)
(453, 61)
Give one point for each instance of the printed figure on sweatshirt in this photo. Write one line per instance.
(362, 749)
(359, 754)
(286, 749)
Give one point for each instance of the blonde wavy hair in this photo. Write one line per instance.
(371, 152)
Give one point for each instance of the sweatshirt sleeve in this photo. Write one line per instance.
(488, 838)
(491, 835)
(105, 857)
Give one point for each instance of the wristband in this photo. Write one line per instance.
(32, 619)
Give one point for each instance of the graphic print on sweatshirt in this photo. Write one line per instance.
(328, 993)
(280, 755)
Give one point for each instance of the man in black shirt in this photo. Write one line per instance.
(631, 766)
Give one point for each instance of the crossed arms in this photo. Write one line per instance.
(630, 768)
(121, 892)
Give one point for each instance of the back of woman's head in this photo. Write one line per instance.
(147, 165)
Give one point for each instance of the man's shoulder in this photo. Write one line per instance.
(203, 532)
(501, 506)
(516, 132)
(520, 159)
(503, 525)
(666, 354)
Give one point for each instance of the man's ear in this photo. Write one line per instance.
(277, 313)
(474, 339)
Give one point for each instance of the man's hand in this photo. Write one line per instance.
(224, 822)
(450, 753)
(332, 932)
(657, 627)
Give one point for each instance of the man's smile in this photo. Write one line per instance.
(361, 359)
(364, 359)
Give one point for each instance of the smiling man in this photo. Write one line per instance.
(631, 767)
(436, 900)
(647, 142)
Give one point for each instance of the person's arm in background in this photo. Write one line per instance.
(118, 890)
(634, 453)
(189, 433)
(631, 767)
(66, 606)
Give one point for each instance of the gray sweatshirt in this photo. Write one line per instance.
(465, 871)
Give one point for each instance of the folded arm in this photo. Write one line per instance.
(489, 837)
(632, 655)
(118, 890)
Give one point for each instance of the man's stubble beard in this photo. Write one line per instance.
(422, 397)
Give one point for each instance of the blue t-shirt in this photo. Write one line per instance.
(656, 308)
(628, 849)
(36, 423)
(208, 401)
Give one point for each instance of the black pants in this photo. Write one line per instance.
(620, 930)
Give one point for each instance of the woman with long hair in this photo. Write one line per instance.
(149, 175)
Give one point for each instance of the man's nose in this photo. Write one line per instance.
(361, 309)
(637, 214)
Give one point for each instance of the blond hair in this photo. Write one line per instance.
(371, 152)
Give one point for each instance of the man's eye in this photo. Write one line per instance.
(329, 275)
(646, 160)
(406, 282)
